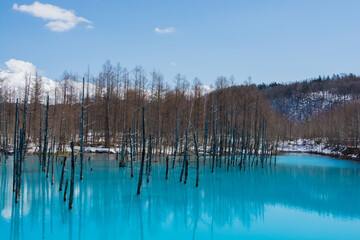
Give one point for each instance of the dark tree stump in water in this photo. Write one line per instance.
(167, 167)
(122, 163)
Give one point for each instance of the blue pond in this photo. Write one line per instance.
(302, 197)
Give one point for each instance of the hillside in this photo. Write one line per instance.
(304, 99)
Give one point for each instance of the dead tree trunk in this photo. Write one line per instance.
(149, 159)
(82, 131)
(176, 142)
(71, 199)
(205, 138)
(45, 134)
(186, 159)
(276, 149)
(52, 162)
(197, 160)
(62, 174)
(131, 155)
(143, 153)
(15, 147)
(167, 168)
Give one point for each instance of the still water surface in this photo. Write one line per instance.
(303, 197)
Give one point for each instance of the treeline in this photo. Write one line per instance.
(341, 84)
(115, 97)
(301, 100)
(325, 108)
(338, 127)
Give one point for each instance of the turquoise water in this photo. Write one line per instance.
(303, 197)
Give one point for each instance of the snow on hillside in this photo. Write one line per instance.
(14, 78)
(301, 106)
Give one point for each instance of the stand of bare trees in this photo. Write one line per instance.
(113, 101)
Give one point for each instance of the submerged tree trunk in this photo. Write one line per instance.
(143, 153)
(45, 134)
(233, 151)
(149, 159)
(71, 199)
(197, 160)
(21, 151)
(15, 147)
(82, 131)
(52, 162)
(176, 142)
(276, 148)
(161, 137)
(214, 143)
(107, 122)
(186, 158)
(6, 140)
(167, 168)
(40, 140)
(62, 174)
(205, 138)
(131, 155)
(48, 162)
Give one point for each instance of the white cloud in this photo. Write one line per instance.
(16, 72)
(164, 30)
(18, 66)
(173, 64)
(14, 79)
(60, 19)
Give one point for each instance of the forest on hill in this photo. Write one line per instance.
(325, 108)
(320, 108)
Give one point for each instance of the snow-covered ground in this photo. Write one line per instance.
(294, 146)
(310, 146)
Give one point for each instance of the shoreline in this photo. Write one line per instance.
(322, 149)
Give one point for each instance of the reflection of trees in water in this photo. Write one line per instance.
(107, 199)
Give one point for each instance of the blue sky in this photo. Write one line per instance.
(269, 40)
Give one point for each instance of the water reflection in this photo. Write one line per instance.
(106, 205)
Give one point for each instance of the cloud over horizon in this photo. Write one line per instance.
(16, 72)
(164, 30)
(13, 78)
(60, 19)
